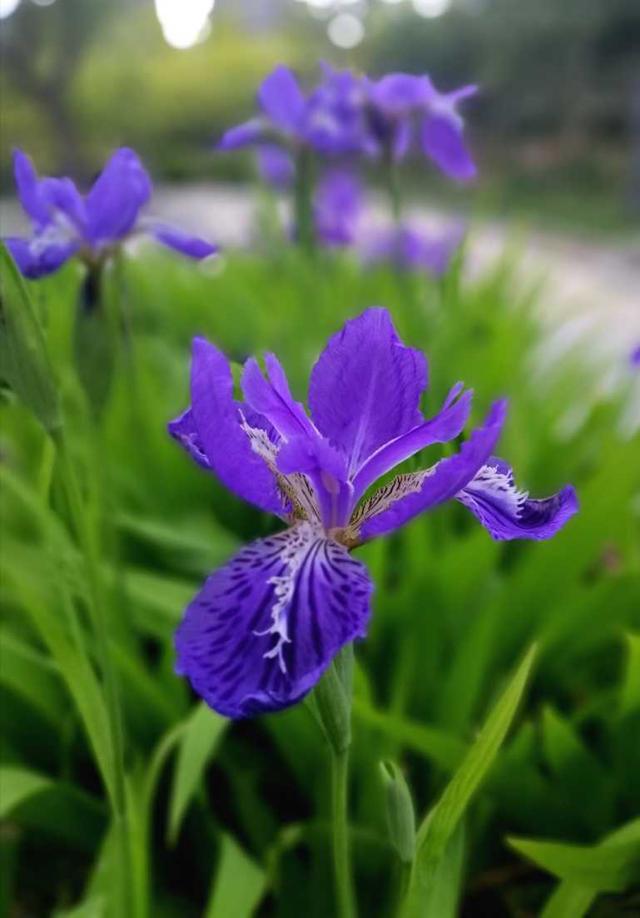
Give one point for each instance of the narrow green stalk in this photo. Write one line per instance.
(331, 706)
(303, 201)
(340, 829)
(86, 536)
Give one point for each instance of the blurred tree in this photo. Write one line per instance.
(42, 49)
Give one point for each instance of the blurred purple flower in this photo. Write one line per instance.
(275, 165)
(634, 357)
(407, 108)
(338, 206)
(411, 249)
(331, 119)
(263, 628)
(65, 223)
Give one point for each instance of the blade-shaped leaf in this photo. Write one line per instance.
(18, 785)
(611, 866)
(197, 744)
(440, 823)
(239, 884)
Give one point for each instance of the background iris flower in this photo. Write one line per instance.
(66, 223)
(265, 626)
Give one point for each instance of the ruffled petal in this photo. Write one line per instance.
(282, 100)
(411, 494)
(443, 141)
(443, 427)
(365, 388)
(114, 202)
(508, 513)
(179, 241)
(264, 628)
(37, 259)
(217, 422)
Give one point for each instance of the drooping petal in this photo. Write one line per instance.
(217, 420)
(282, 100)
(411, 494)
(264, 628)
(443, 141)
(116, 197)
(443, 427)
(508, 513)
(179, 241)
(275, 166)
(243, 135)
(184, 430)
(36, 259)
(366, 385)
(272, 398)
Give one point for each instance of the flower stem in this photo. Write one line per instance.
(340, 828)
(331, 706)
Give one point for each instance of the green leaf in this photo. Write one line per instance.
(443, 895)
(574, 898)
(611, 866)
(239, 884)
(24, 361)
(18, 785)
(630, 693)
(440, 823)
(197, 745)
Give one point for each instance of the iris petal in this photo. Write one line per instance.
(423, 490)
(263, 629)
(37, 259)
(117, 195)
(366, 385)
(442, 140)
(179, 241)
(217, 421)
(508, 513)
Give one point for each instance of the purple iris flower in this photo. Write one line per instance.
(407, 109)
(411, 249)
(263, 628)
(331, 119)
(338, 206)
(65, 223)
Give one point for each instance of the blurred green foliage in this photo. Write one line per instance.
(226, 818)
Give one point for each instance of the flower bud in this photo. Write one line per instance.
(401, 821)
